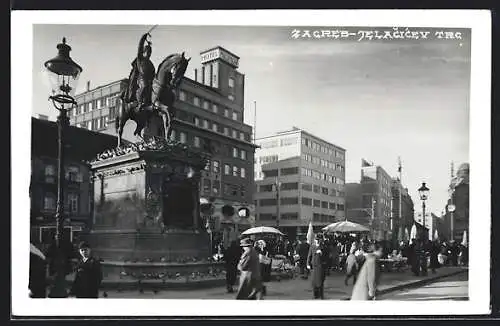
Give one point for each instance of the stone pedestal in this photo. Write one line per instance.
(146, 205)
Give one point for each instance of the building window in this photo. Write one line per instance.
(90, 106)
(89, 125)
(182, 137)
(73, 203)
(230, 97)
(226, 113)
(324, 191)
(182, 96)
(227, 189)
(324, 204)
(196, 121)
(206, 105)
(289, 201)
(340, 207)
(243, 154)
(235, 171)
(215, 127)
(207, 166)
(173, 135)
(216, 166)
(215, 108)
(268, 159)
(270, 173)
(49, 202)
(226, 131)
(316, 188)
(216, 187)
(306, 201)
(235, 152)
(242, 191)
(235, 116)
(307, 187)
(290, 171)
(231, 82)
(242, 135)
(332, 206)
(205, 124)
(206, 185)
(243, 173)
(196, 101)
(50, 174)
(264, 217)
(235, 134)
(227, 169)
(73, 174)
(267, 202)
(266, 188)
(290, 186)
(196, 141)
(317, 203)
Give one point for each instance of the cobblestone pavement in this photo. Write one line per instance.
(294, 289)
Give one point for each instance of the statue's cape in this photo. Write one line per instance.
(131, 90)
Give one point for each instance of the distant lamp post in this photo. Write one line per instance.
(423, 191)
(63, 75)
(277, 188)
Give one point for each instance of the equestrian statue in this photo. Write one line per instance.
(148, 92)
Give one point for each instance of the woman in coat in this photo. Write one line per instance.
(231, 258)
(250, 287)
(365, 287)
(88, 275)
(317, 262)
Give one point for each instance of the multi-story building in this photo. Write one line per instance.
(81, 145)
(376, 194)
(401, 200)
(299, 178)
(209, 115)
(459, 190)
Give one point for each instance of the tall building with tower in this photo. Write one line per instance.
(209, 115)
(300, 179)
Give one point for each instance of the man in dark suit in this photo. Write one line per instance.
(250, 287)
(88, 274)
(231, 257)
(317, 262)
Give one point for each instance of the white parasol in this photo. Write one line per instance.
(345, 227)
(262, 229)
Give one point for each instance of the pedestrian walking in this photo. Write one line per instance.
(317, 262)
(38, 273)
(250, 287)
(434, 252)
(365, 287)
(303, 251)
(88, 276)
(231, 258)
(352, 267)
(265, 263)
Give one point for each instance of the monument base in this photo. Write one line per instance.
(146, 212)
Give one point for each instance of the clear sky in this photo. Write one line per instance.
(378, 100)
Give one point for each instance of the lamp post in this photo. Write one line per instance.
(277, 186)
(423, 191)
(372, 216)
(63, 75)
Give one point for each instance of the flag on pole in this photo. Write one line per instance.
(399, 164)
(413, 232)
(464, 239)
(310, 233)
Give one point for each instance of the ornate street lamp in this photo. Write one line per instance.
(423, 191)
(63, 75)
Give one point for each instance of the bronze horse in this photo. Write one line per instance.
(167, 79)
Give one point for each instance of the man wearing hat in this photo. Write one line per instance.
(88, 274)
(250, 287)
(317, 261)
